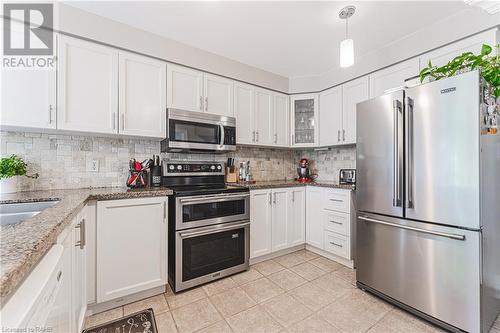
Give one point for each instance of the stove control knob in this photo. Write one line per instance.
(179, 167)
(219, 167)
(212, 167)
(171, 167)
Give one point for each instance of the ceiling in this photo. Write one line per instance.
(292, 39)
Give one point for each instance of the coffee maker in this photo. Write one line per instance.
(303, 171)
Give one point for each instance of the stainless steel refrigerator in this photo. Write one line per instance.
(428, 203)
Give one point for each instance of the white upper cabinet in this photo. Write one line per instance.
(184, 88)
(28, 96)
(330, 117)
(142, 96)
(353, 92)
(304, 120)
(244, 99)
(87, 86)
(218, 92)
(264, 116)
(393, 77)
(281, 120)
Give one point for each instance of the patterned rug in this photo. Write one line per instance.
(139, 322)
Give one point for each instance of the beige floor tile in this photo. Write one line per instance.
(261, 290)
(356, 311)
(326, 264)
(103, 317)
(287, 279)
(218, 327)
(245, 277)
(347, 274)
(165, 323)
(195, 316)
(157, 303)
(268, 267)
(313, 324)
(184, 298)
(253, 320)
(232, 301)
(400, 321)
(308, 271)
(219, 286)
(286, 310)
(334, 284)
(312, 296)
(290, 260)
(306, 255)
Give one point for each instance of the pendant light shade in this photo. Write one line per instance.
(346, 53)
(347, 45)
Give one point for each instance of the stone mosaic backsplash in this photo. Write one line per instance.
(62, 160)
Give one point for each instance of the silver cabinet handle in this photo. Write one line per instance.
(257, 136)
(59, 276)
(274, 201)
(50, 113)
(343, 135)
(275, 138)
(253, 133)
(185, 235)
(201, 103)
(164, 211)
(424, 231)
(409, 182)
(338, 135)
(396, 196)
(339, 223)
(270, 198)
(206, 103)
(335, 244)
(81, 243)
(293, 196)
(336, 200)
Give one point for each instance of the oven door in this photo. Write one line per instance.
(204, 210)
(209, 253)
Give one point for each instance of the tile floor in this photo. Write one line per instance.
(297, 292)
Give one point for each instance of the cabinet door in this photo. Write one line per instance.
(184, 88)
(87, 86)
(353, 92)
(314, 216)
(330, 117)
(392, 77)
(296, 225)
(281, 120)
(218, 93)
(281, 217)
(79, 281)
(260, 223)
(131, 246)
(143, 96)
(28, 96)
(304, 122)
(264, 130)
(244, 112)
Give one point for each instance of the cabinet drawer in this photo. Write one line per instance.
(337, 244)
(337, 201)
(337, 222)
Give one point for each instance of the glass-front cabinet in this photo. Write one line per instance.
(304, 120)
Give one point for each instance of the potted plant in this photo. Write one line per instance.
(10, 168)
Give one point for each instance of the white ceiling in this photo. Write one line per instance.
(292, 39)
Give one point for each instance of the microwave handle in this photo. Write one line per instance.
(221, 127)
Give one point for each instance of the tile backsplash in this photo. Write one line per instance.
(62, 160)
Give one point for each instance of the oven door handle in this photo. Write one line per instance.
(192, 234)
(213, 198)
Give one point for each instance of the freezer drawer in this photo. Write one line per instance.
(433, 269)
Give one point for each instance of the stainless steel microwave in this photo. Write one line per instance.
(199, 131)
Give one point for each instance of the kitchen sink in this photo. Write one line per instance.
(11, 213)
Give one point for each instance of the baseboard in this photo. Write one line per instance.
(104, 306)
(265, 257)
(331, 256)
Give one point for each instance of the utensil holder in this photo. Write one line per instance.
(231, 175)
(155, 176)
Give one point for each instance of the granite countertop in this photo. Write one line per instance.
(292, 183)
(22, 245)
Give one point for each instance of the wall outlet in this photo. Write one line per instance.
(93, 166)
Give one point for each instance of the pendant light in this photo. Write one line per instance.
(347, 45)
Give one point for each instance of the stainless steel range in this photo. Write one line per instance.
(209, 229)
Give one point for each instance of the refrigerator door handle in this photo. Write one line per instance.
(396, 196)
(435, 233)
(409, 162)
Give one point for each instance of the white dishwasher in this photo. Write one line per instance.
(43, 299)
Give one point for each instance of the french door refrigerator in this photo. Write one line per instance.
(428, 202)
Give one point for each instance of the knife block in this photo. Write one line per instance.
(231, 176)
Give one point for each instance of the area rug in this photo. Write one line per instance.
(139, 322)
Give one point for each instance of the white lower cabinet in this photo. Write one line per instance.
(277, 220)
(314, 216)
(131, 246)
